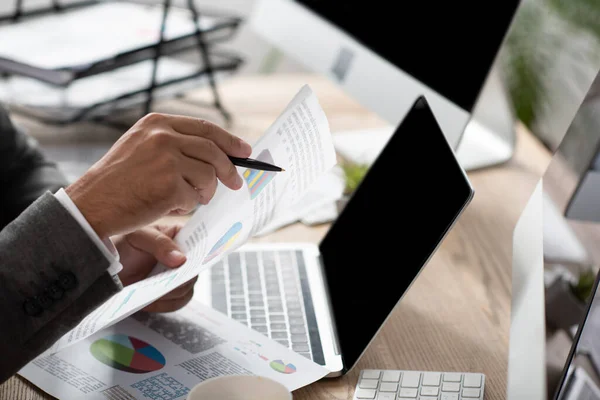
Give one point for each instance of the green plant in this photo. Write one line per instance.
(583, 288)
(542, 32)
(354, 174)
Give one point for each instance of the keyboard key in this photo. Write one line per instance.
(275, 317)
(260, 328)
(255, 303)
(296, 321)
(278, 327)
(283, 342)
(238, 308)
(365, 394)
(300, 347)
(238, 300)
(472, 380)
(452, 377)
(299, 339)
(371, 374)
(450, 387)
(408, 393)
(388, 387)
(368, 383)
(297, 329)
(471, 393)
(431, 379)
(411, 379)
(429, 391)
(391, 376)
(386, 396)
(449, 396)
(279, 335)
(257, 313)
(276, 309)
(258, 320)
(239, 316)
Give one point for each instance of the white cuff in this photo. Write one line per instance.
(106, 246)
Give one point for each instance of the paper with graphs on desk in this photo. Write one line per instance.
(162, 356)
(298, 141)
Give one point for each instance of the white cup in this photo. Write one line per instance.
(239, 387)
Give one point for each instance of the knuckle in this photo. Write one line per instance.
(161, 138)
(210, 147)
(153, 118)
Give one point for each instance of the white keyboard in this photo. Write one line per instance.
(386, 384)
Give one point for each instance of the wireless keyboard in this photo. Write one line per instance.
(375, 384)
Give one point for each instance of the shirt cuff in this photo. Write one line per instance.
(106, 246)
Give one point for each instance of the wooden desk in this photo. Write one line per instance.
(456, 316)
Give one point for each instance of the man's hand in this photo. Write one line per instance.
(140, 250)
(163, 164)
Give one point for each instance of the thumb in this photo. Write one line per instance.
(158, 244)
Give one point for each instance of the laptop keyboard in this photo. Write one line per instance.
(376, 384)
(268, 291)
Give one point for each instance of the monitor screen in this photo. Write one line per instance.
(393, 223)
(580, 379)
(448, 46)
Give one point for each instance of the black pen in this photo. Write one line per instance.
(254, 164)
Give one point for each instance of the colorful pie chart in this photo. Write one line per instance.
(128, 354)
(282, 367)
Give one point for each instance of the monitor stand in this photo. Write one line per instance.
(488, 139)
(480, 147)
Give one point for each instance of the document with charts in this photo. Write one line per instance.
(163, 356)
(299, 141)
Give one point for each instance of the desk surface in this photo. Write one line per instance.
(456, 316)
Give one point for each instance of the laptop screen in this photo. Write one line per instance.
(394, 221)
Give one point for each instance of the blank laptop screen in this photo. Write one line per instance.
(391, 226)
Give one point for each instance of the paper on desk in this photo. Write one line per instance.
(162, 356)
(299, 141)
(317, 205)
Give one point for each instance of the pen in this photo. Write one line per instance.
(254, 164)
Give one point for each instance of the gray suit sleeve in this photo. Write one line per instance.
(51, 276)
(51, 273)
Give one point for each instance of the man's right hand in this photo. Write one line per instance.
(162, 164)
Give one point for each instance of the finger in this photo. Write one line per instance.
(230, 144)
(180, 291)
(203, 149)
(189, 197)
(170, 305)
(202, 177)
(171, 230)
(156, 243)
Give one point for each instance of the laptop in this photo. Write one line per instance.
(327, 301)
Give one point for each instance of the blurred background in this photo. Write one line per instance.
(66, 99)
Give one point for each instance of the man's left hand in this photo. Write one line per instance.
(139, 252)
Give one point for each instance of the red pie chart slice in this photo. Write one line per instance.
(142, 363)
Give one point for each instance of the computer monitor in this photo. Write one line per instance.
(582, 154)
(554, 351)
(526, 377)
(386, 54)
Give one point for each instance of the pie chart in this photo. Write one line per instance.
(128, 354)
(282, 367)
